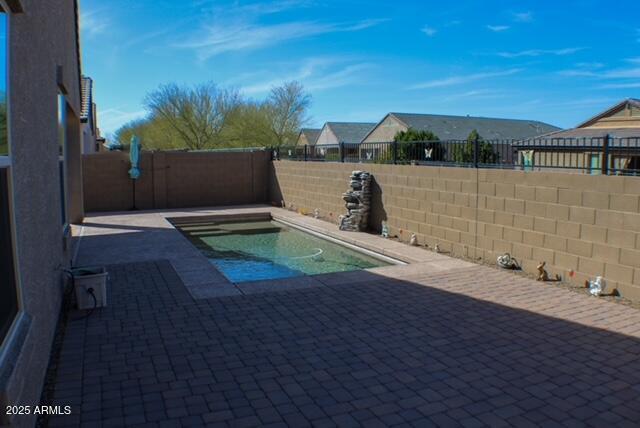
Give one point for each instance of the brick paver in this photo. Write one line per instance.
(467, 347)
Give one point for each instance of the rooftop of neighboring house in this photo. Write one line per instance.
(350, 132)
(311, 134)
(448, 127)
(621, 121)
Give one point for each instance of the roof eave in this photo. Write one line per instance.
(608, 111)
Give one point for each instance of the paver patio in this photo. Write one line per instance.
(464, 345)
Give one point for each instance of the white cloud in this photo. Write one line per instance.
(620, 73)
(540, 52)
(523, 16)
(429, 31)
(590, 65)
(632, 85)
(316, 74)
(110, 120)
(229, 37)
(475, 94)
(93, 23)
(463, 79)
(498, 28)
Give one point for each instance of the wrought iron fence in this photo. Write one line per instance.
(602, 155)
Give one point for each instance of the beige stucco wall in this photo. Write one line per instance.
(588, 224)
(385, 131)
(626, 117)
(41, 38)
(303, 140)
(175, 180)
(327, 137)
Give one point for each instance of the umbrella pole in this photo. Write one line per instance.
(134, 195)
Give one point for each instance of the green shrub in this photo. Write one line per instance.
(463, 152)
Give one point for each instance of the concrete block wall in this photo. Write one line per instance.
(581, 225)
(175, 180)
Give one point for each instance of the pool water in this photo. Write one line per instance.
(259, 250)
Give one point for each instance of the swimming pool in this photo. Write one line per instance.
(264, 249)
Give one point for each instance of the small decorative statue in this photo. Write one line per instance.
(283, 204)
(596, 287)
(316, 213)
(505, 261)
(543, 275)
(385, 230)
(437, 248)
(413, 240)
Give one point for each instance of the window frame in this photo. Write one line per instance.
(6, 163)
(62, 157)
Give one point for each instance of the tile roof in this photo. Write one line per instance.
(459, 127)
(350, 132)
(87, 98)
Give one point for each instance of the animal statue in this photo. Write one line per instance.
(414, 240)
(543, 275)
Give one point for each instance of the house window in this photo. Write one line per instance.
(62, 149)
(8, 290)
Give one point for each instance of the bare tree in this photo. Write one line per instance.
(287, 106)
(198, 114)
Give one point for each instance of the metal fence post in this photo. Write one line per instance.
(341, 149)
(476, 152)
(305, 152)
(394, 151)
(605, 154)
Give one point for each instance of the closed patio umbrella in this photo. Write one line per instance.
(134, 158)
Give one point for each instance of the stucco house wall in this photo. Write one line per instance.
(327, 137)
(43, 57)
(385, 131)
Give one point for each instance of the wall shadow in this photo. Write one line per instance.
(274, 193)
(378, 214)
(388, 347)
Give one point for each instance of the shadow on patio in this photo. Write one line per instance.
(361, 350)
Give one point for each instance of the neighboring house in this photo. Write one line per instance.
(88, 117)
(456, 127)
(334, 133)
(40, 189)
(308, 137)
(582, 147)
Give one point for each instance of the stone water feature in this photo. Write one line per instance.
(358, 199)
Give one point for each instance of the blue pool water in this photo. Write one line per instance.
(258, 250)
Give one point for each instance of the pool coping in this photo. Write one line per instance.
(203, 280)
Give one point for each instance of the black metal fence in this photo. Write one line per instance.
(602, 155)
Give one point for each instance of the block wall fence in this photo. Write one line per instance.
(175, 180)
(588, 225)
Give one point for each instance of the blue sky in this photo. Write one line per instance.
(560, 62)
